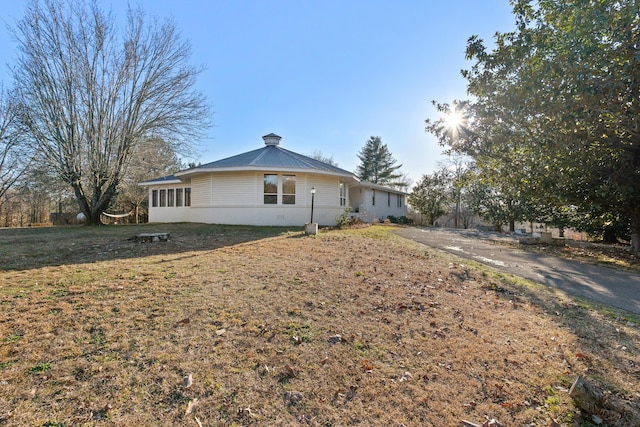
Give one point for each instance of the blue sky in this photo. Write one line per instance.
(325, 75)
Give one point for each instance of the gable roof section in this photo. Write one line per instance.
(269, 157)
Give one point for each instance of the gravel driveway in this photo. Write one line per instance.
(599, 283)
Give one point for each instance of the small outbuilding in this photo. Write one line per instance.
(269, 186)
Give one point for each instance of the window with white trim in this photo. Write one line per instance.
(179, 197)
(170, 197)
(163, 198)
(288, 189)
(270, 189)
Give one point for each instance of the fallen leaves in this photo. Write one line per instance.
(366, 365)
(226, 345)
(187, 381)
(191, 406)
(292, 398)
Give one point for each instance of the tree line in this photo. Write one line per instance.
(551, 132)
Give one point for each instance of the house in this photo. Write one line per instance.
(269, 186)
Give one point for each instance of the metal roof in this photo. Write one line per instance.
(169, 179)
(271, 156)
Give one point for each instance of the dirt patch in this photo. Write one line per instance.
(276, 328)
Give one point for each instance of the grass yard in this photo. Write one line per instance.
(235, 326)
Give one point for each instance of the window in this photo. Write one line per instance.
(388, 199)
(270, 189)
(399, 201)
(343, 195)
(170, 197)
(288, 189)
(179, 199)
(373, 198)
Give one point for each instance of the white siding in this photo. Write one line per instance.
(237, 198)
(238, 189)
(168, 213)
(201, 190)
(362, 204)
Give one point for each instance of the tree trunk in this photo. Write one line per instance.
(635, 231)
(512, 225)
(609, 235)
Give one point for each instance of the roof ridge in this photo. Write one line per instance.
(263, 152)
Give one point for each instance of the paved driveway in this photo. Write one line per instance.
(604, 284)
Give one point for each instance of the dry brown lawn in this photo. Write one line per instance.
(235, 326)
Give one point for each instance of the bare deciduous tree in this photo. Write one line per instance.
(92, 92)
(13, 159)
(153, 158)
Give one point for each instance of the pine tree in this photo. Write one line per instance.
(377, 163)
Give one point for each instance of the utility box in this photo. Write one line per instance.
(311, 228)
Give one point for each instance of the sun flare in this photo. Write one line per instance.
(454, 119)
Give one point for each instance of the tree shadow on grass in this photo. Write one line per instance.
(604, 335)
(33, 248)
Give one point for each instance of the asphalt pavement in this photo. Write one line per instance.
(604, 284)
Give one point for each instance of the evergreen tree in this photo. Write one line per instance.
(377, 163)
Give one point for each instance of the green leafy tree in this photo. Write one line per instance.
(377, 164)
(92, 90)
(431, 195)
(556, 109)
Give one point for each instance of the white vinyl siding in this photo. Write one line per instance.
(201, 194)
(237, 189)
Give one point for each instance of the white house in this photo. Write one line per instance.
(269, 186)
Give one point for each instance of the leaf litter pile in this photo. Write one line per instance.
(354, 327)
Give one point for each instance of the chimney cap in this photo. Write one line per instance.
(272, 139)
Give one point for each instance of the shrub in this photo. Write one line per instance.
(343, 219)
(399, 219)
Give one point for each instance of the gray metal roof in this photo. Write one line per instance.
(169, 179)
(271, 156)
